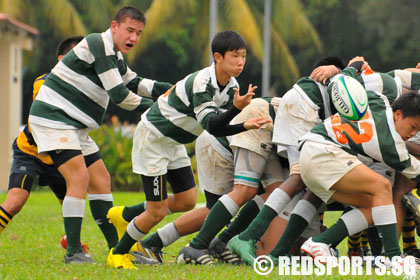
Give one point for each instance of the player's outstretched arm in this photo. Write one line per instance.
(256, 123)
(241, 101)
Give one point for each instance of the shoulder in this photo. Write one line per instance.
(199, 80)
(100, 44)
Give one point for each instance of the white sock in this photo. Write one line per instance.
(277, 200)
(355, 221)
(73, 207)
(168, 234)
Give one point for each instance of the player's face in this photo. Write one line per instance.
(233, 62)
(406, 127)
(126, 34)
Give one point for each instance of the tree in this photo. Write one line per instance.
(290, 27)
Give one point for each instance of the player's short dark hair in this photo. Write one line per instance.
(408, 103)
(67, 44)
(330, 60)
(130, 12)
(227, 40)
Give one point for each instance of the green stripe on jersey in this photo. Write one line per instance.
(81, 67)
(167, 128)
(384, 83)
(76, 97)
(96, 45)
(118, 94)
(312, 91)
(47, 111)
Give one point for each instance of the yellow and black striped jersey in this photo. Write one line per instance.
(25, 141)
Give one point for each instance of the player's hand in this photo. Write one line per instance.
(241, 102)
(256, 123)
(359, 58)
(356, 58)
(418, 65)
(322, 73)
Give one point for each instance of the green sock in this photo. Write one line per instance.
(374, 241)
(259, 225)
(389, 238)
(245, 216)
(124, 245)
(218, 217)
(334, 234)
(153, 241)
(99, 209)
(131, 212)
(293, 230)
(72, 227)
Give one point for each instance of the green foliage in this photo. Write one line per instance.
(116, 154)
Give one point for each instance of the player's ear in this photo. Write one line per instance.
(113, 25)
(398, 115)
(218, 57)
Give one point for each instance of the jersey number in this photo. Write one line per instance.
(339, 128)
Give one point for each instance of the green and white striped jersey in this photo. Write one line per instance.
(76, 93)
(316, 94)
(374, 136)
(381, 82)
(391, 83)
(184, 111)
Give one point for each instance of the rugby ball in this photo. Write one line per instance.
(349, 97)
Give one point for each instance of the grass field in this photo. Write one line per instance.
(30, 249)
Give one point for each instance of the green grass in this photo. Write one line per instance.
(30, 248)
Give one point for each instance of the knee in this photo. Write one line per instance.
(188, 205)
(383, 194)
(156, 214)
(81, 179)
(185, 201)
(242, 194)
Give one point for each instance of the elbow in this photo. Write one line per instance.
(214, 131)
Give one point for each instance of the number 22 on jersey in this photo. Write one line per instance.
(339, 129)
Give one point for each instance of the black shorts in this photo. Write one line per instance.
(211, 199)
(25, 168)
(181, 180)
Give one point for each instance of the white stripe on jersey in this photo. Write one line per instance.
(181, 93)
(83, 53)
(201, 111)
(399, 142)
(128, 76)
(51, 97)
(108, 42)
(42, 121)
(201, 80)
(145, 87)
(179, 119)
(373, 82)
(130, 102)
(83, 84)
(372, 148)
(405, 77)
(110, 78)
